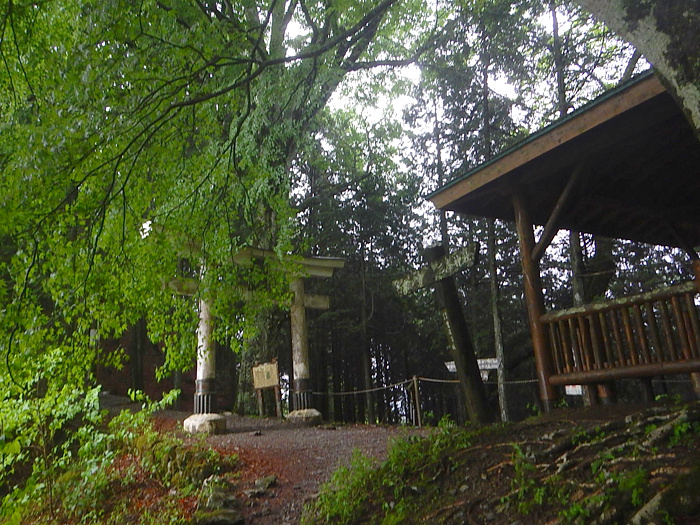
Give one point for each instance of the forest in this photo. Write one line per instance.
(144, 144)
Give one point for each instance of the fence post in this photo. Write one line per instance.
(419, 417)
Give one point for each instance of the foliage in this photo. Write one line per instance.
(75, 477)
(394, 489)
(527, 490)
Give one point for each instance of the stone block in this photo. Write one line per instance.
(307, 417)
(205, 424)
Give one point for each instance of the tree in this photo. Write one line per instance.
(666, 32)
(136, 135)
(184, 117)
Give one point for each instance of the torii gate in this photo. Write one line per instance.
(205, 419)
(318, 267)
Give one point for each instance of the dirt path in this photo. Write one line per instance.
(302, 458)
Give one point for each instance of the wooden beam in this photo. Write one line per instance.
(558, 134)
(666, 218)
(437, 270)
(603, 306)
(627, 372)
(551, 228)
(182, 286)
(317, 302)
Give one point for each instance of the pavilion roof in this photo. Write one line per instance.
(629, 161)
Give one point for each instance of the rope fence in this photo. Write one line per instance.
(411, 404)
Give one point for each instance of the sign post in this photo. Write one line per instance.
(267, 376)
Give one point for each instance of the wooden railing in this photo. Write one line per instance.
(649, 334)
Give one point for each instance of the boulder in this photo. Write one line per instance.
(307, 417)
(205, 424)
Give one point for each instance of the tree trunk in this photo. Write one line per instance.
(559, 66)
(666, 32)
(444, 227)
(460, 344)
(364, 341)
(491, 235)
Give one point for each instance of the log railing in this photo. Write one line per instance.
(645, 335)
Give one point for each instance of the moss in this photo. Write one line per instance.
(636, 10)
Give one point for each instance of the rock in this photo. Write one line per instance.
(307, 417)
(218, 517)
(217, 494)
(219, 499)
(254, 493)
(205, 424)
(266, 482)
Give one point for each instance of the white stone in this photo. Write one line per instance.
(308, 417)
(205, 424)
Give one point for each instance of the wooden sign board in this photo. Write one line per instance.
(485, 365)
(265, 376)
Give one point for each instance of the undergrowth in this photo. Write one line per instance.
(90, 472)
(390, 491)
(646, 466)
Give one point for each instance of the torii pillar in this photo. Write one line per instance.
(303, 410)
(301, 373)
(205, 419)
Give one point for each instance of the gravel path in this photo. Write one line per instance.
(302, 459)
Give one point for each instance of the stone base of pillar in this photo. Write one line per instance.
(205, 424)
(307, 417)
(205, 396)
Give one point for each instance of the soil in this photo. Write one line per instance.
(302, 459)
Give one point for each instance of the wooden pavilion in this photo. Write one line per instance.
(627, 166)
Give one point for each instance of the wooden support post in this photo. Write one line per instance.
(695, 376)
(460, 343)
(551, 228)
(606, 393)
(535, 303)
(261, 407)
(416, 395)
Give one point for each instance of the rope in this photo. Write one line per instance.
(407, 381)
(357, 392)
(431, 380)
(518, 382)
